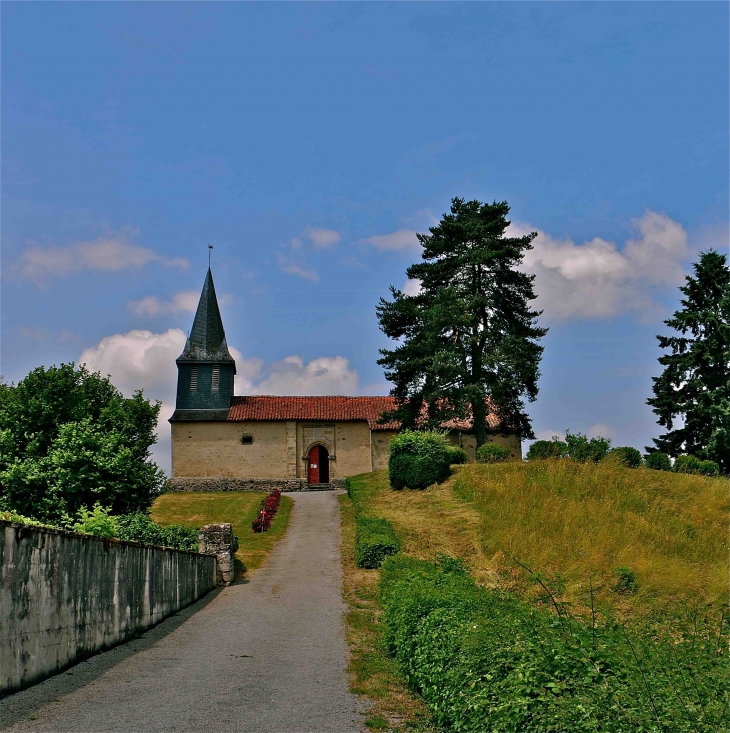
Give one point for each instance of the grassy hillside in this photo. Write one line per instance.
(575, 523)
(238, 508)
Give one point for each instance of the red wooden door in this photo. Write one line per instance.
(313, 463)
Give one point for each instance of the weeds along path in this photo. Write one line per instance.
(267, 655)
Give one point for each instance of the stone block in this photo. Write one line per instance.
(219, 540)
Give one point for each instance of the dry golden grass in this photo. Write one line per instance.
(575, 523)
(237, 507)
(372, 672)
(581, 521)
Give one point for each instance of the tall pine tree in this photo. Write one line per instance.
(469, 338)
(695, 384)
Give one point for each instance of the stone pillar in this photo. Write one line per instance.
(219, 540)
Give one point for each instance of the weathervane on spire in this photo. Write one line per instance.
(210, 247)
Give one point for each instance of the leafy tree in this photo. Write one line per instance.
(468, 339)
(69, 439)
(695, 384)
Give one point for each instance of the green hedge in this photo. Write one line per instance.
(487, 662)
(457, 455)
(419, 459)
(658, 461)
(691, 464)
(626, 456)
(141, 528)
(375, 539)
(543, 449)
(492, 453)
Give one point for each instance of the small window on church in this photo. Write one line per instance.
(247, 439)
(194, 379)
(216, 379)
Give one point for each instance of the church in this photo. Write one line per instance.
(223, 442)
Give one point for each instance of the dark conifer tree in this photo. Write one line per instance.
(469, 338)
(695, 384)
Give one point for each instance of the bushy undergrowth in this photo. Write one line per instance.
(485, 661)
(492, 453)
(586, 450)
(137, 527)
(626, 456)
(375, 539)
(419, 459)
(543, 449)
(457, 455)
(658, 461)
(140, 527)
(691, 464)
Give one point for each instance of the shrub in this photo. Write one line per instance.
(457, 455)
(484, 660)
(582, 449)
(626, 582)
(419, 459)
(140, 527)
(97, 522)
(375, 539)
(626, 456)
(492, 453)
(709, 468)
(269, 507)
(658, 461)
(687, 464)
(542, 449)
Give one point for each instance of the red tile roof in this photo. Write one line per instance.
(269, 407)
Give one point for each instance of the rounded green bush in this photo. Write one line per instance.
(457, 455)
(658, 461)
(626, 456)
(709, 468)
(492, 453)
(687, 464)
(542, 449)
(419, 459)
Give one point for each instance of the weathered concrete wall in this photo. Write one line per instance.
(64, 596)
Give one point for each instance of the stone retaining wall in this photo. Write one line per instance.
(223, 483)
(65, 596)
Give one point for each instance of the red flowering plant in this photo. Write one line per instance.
(269, 506)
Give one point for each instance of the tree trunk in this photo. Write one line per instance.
(479, 417)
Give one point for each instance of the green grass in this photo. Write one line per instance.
(237, 507)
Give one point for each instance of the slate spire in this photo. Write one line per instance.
(207, 340)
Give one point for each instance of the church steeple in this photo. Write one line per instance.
(207, 340)
(205, 368)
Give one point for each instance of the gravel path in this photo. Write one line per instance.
(266, 656)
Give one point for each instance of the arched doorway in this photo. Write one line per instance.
(318, 465)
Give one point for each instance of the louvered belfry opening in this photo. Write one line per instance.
(205, 367)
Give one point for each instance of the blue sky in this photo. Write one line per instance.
(308, 142)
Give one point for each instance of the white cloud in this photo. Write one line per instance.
(183, 302)
(186, 301)
(412, 287)
(596, 279)
(300, 269)
(106, 254)
(322, 238)
(326, 375)
(601, 430)
(402, 240)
